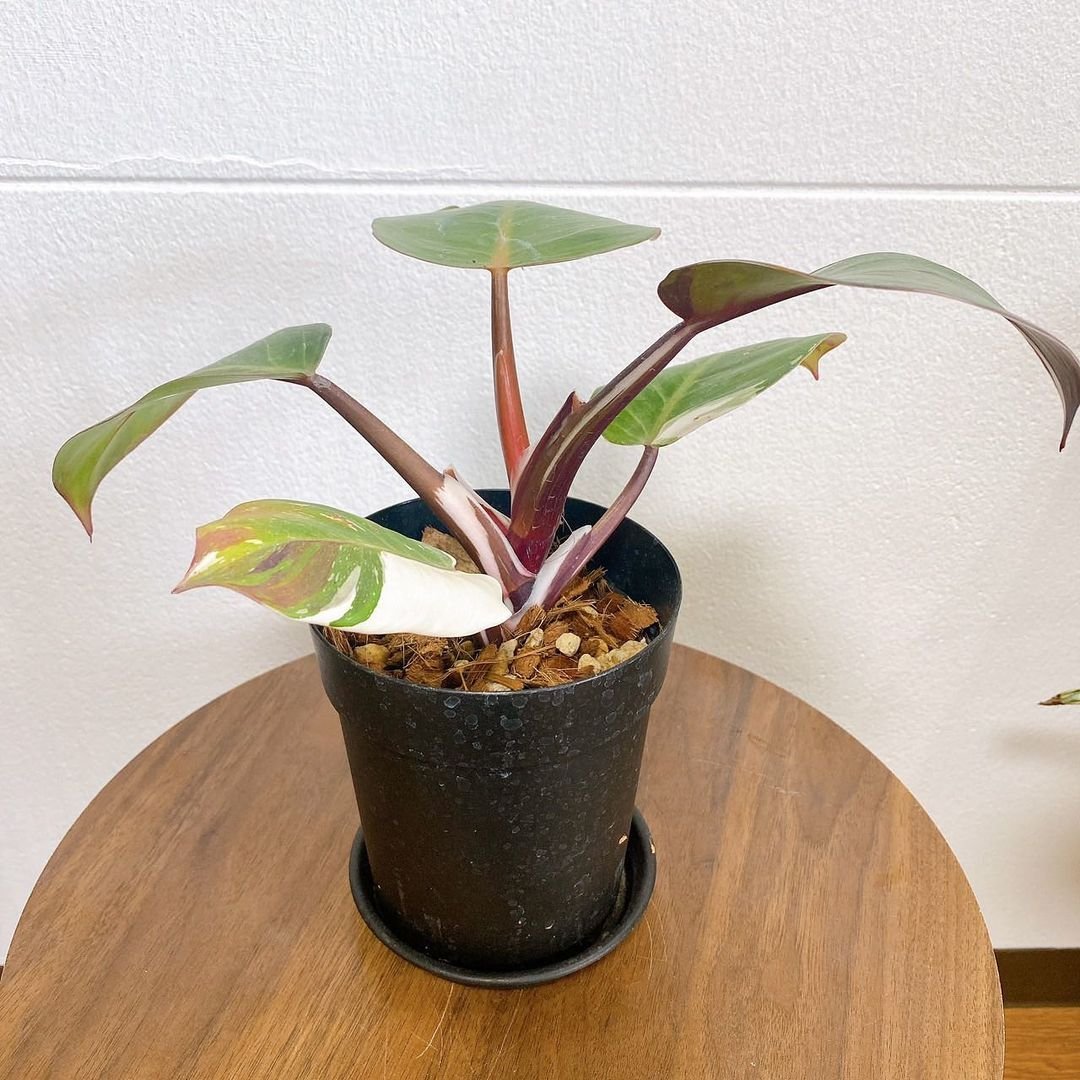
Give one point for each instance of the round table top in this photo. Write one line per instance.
(808, 921)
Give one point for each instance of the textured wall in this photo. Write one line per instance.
(897, 545)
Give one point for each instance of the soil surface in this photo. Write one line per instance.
(592, 628)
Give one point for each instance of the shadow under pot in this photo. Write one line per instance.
(499, 843)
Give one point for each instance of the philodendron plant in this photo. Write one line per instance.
(330, 567)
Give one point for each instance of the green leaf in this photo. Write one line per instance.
(1070, 697)
(714, 292)
(329, 567)
(501, 235)
(683, 397)
(86, 458)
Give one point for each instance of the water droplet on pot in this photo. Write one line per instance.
(478, 746)
(471, 721)
(510, 723)
(459, 736)
(452, 702)
(608, 696)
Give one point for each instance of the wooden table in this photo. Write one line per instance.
(809, 920)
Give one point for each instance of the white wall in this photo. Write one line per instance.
(897, 545)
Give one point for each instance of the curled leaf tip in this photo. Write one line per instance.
(185, 583)
(812, 359)
(1069, 417)
(199, 560)
(83, 513)
(63, 487)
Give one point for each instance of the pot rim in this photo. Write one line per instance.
(666, 628)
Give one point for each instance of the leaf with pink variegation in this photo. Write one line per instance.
(325, 566)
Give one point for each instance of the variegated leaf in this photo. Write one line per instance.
(325, 566)
(685, 396)
(86, 458)
(1069, 697)
(502, 235)
(715, 292)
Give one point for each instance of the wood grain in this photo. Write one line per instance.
(1042, 1044)
(809, 920)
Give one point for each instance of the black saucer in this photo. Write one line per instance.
(638, 882)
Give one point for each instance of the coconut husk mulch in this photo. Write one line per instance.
(592, 628)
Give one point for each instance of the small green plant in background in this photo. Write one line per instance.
(329, 567)
(1069, 697)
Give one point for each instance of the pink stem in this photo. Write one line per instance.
(599, 534)
(419, 474)
(513, 431)
(549, 470)
(463, 512)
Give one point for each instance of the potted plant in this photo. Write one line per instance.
(494, 718)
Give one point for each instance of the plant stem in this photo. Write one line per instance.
(463, 512)
(421, 476)
(483, 535)
(617, 511)
(513, 431)
(599, 534)
(551, 466)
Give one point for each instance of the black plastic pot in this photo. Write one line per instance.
(496, 826)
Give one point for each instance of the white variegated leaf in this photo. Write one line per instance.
(328, 567)
(685, 396)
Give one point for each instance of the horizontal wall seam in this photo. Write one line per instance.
(543, 188)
